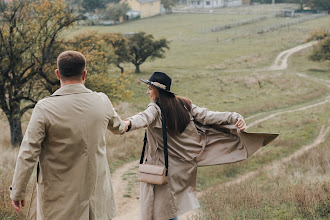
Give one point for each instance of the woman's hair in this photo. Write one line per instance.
(176, 110)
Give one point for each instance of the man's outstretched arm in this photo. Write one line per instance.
(28, 156)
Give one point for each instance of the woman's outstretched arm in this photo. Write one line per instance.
(207, 117)
(145, 118)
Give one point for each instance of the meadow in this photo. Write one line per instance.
(228, 71)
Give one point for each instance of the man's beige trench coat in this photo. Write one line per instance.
(203, 143)
(67, 134)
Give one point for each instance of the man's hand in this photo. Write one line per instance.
(240, 124)
(16, 205)
(127, 124)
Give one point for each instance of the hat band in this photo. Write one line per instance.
(158, 84)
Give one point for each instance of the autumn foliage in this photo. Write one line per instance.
(321, 51)
(31, 38)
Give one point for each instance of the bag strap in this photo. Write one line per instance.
(144, 147)
(164, 143)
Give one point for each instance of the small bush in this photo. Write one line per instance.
(321, 51)
(318, 35)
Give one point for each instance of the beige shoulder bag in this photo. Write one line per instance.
(154, 174)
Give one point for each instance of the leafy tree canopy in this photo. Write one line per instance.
(322, 50)
(100, 51)
(142, 46)
(91, 5)
(168, 4)
(115, 11)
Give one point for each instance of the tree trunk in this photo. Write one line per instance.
(301, 4)
(137, 68)
(121, 68)
(15, 130)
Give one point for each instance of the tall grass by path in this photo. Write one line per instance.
(298, 189)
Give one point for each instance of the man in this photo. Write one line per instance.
(66, 134)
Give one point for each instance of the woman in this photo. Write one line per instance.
(195, 138)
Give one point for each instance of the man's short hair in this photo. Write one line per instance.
(71, 64)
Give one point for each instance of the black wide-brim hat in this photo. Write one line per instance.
(160, 80)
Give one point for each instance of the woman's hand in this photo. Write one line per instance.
(127, 125)
(240, 124)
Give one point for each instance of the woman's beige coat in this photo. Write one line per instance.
(66, 133)
(204, 142)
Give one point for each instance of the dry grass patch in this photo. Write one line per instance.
(298, 189)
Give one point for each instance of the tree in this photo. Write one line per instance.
(97, 52)
(319, 4)
(143, 47)
(115, 11)
(168, 4)
(2, 5)
(91, 5)
(102, 50)
(29, 44)
(120, 46)
(313, 4)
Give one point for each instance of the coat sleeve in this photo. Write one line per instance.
(207, 117)
(145, 118)
(29, 153)
(115, 125)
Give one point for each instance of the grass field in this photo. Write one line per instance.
(230, 62)
(227, 71)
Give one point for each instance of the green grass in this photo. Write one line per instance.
(132, 185)
(300, 64)
(191, 49)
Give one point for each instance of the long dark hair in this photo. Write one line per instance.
(176, 110)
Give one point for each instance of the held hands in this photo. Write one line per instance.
(127, 125)
(16, 205)
(240, 124)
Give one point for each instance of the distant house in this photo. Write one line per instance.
(214, 3)
(147, 8)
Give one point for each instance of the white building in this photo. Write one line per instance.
(213, 3)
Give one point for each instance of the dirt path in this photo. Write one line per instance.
(281, 61)
(327, 99)
(128, 208)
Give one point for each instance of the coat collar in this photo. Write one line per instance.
(71, 89)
